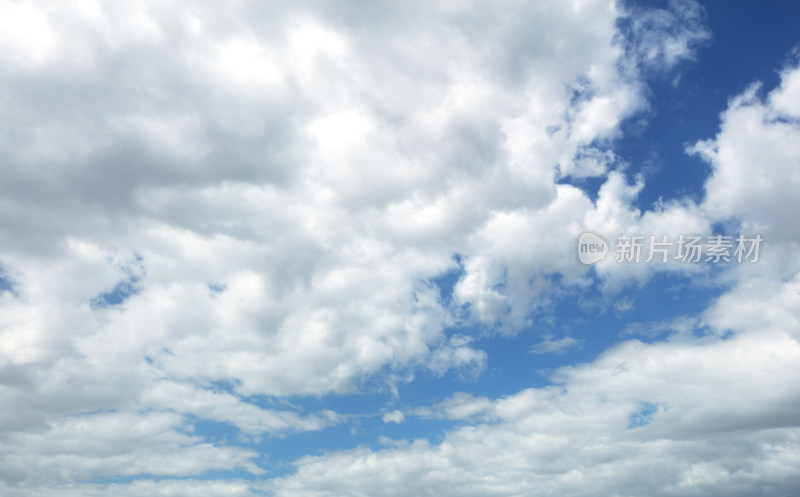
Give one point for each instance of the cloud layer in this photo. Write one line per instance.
(207, 212)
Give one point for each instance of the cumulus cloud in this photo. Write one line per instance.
(394, 417)
(204, 207)
(689, 415)
(646, 428)
(78, 448)
(754, 158)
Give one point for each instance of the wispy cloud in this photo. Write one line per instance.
(548, 345)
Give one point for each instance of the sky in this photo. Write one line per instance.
(382, 248)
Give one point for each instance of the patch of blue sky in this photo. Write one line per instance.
(212, 431)
(588, 317)
(685, 104)
(643, 416)
(216, 288)
(446, 282)
(6, 285)
(226, 386)
(362, 424)
(750, 40)
(117, 295)
(594, 322)
(366, 429)
(511, 368)
(590, 185)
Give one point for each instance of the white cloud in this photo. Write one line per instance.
(754, 159)
(80, 447)
(394, 417)
(710, 410)
(560, 345)
(226, 408)
(686, 417)
(457, 406)
(278, 185)
(666, 36)
(224, 152)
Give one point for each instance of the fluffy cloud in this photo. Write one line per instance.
(290, 177)
(204, 206)
(754, 157)
(664, 419)
(77, 448)
(687, 416)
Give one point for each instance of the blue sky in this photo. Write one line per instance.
(332, 249)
